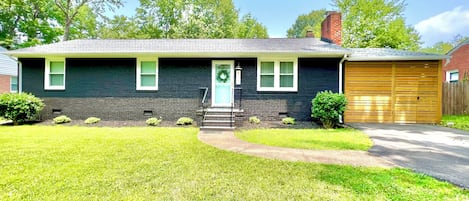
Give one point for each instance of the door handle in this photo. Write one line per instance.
(418, 97)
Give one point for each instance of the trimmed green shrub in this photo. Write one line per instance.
(288, 120)
(92, 120)
(61, 119)
(328, 107)
(153, 121)
(184, 121)
(20, 107)
(254, 120)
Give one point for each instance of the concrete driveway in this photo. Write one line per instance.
(436, 151)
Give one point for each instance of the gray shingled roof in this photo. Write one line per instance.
(378, 54)
(184, 46)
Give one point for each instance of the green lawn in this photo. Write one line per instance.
(335, 139)
(90, 163)
(460, 121)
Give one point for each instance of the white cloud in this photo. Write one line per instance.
(444, 26)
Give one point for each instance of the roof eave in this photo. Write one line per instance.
(172, 54)
(398, 58)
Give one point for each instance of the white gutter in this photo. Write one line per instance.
(341, 74)
(19, 79)
(341, 119)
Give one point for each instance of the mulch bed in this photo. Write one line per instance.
(242, 125)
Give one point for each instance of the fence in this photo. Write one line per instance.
(456, 98)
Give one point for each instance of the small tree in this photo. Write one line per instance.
(20, 107)
(328, 107)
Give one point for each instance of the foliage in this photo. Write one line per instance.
(308, 22)
(254, 120)
(444, 47)
(184, 121)
(376, 23)
(153, 121)
(460, 121)
(35, 19)
(92, 120)
(195, 19)
(328, 107)
(249, 27)
(121, 27)
(20, 107)
(320, 139)
(61, 119)
(288, 120)
(70, 11)
(93, 163)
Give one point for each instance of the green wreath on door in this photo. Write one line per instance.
(223, 76)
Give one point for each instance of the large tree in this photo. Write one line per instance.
(249, 28)
(70, 10)
(194, 19)
(376, 23)
(120, 27)
(35, 19)
(308, 22)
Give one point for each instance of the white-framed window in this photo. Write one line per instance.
(277, 74)
(147, 74)
(54, 76)
(452, 76)
(13, 84)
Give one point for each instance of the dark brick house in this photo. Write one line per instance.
(457, 67)
(269, 78)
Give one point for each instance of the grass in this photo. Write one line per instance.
(323, 139)
(460, 121)
(90, 163)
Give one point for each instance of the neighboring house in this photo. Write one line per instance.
(268, 78)
(457, 67)
(8, 73)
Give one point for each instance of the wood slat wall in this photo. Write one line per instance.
(456, 98)
(393, 92)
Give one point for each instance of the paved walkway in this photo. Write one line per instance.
(227, 141)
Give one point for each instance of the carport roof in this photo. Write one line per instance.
(388, 54)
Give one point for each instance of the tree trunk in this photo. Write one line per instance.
(67, 30)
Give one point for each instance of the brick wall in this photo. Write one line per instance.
(331, 28)
(112, 108)
(4, 83)
(459, 60)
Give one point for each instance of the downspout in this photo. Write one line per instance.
(19, 79)
(341, 91)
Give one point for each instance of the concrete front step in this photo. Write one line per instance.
(218, 128)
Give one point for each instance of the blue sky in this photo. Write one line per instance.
(436, 20)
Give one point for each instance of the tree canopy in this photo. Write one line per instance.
(25, 23)
(376, 23)
(444, 47)
(308, 22)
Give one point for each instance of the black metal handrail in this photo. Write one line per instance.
(203, 94)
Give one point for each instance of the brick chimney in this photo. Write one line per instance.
(331, 28)
(309, 34)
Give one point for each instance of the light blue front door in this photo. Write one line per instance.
(222, 83)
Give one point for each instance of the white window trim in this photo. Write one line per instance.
(47, 74)
(448, 74)
(11, 89)
(139, 70)
(277, 74)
